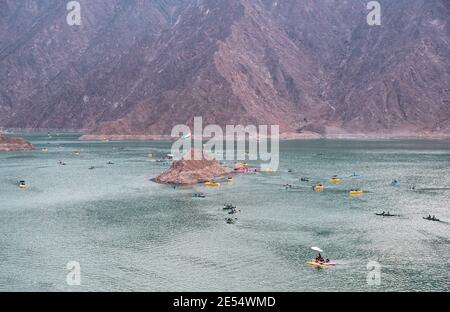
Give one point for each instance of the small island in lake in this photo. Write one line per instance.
(8, 144)
(191, 171)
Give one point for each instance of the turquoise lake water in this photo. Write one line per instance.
(130, 234)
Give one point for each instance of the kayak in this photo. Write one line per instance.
(386, 215)
(431, 219)
(335, 180)
(212, 184)
(356, 192)
(321, 264)
(22, 185)
(318, 187)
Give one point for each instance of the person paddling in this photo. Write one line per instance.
(319, 258)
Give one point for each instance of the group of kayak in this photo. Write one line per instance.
(232, 210)
(320, 187)
(388, 214)
(352, 192)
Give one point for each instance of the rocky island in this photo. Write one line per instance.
(189, 171)
(8, 144)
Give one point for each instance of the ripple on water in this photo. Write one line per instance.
(131, 234)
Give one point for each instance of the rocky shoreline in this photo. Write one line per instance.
(10, 144)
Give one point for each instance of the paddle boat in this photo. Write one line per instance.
(430, 218)
(335, 180)
(245, 170)
(319, 261)
(22, 185)
(230, 220)
(321, 264)
(198, 195)
(356, 192)
(383, 214)
(233, 211)
(318, 187)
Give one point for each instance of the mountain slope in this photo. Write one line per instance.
(140, 67)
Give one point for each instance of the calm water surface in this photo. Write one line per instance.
(130, 234)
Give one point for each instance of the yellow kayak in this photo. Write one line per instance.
(212, 184)
(356, 192)
(335, 180)
(319, 187)
(230, 180)
(321, 264)
(22, 185)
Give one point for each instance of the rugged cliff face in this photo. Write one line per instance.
(140, 67)
(197, 168)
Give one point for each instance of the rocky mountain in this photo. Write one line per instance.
(195, 167)
(140, 66)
